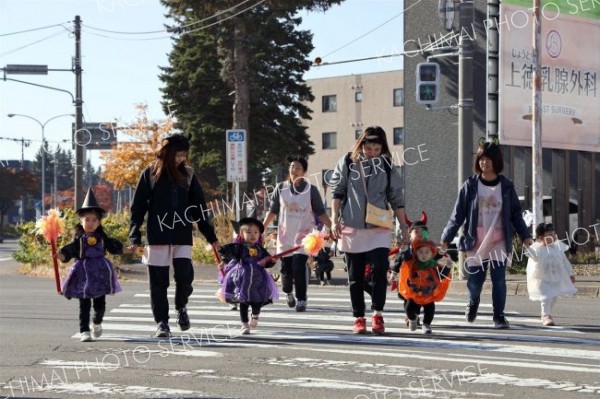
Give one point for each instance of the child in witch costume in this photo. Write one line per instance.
(245, 280)
(424, 281)
(92, 276)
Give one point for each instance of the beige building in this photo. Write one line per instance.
(343, 107)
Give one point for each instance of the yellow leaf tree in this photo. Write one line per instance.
(127, 159)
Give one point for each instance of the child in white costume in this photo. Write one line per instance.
(549, 273)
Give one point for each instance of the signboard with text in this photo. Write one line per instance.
(95, 135)
(570, 73)
(237, 163)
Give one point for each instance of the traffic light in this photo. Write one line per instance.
(428, 83)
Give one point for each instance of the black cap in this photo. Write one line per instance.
(90, 204)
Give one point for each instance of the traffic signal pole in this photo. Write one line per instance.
(465, 100)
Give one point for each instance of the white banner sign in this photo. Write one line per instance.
(570, 74)
(237, 162)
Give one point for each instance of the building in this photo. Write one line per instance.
(568, 176)
(343, 107)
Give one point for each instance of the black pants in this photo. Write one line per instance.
(412, 311)
(356, 262)
(324, 269)
(183, 272)
(85, 305)
(294, 275)
(244, 310)
(321, 275)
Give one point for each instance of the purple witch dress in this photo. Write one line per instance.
(92, 275)
(245, 281)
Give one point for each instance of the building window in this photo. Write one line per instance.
(357, 133)
(329, 141)
(398, 97)
(330, 103)
(358, 96)
(398, 136)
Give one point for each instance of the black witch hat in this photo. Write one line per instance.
(90, 203)
(247, 221)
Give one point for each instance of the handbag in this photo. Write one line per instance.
(375, 215)
(379, 217)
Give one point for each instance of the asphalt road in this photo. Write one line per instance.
(291, 355)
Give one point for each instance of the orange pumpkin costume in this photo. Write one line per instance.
(424, 282)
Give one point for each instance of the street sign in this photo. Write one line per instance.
(237, 162)
(95, 135)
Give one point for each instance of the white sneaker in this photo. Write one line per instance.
(96, 330)
(85, 336)
(245, 330)
(426, 328)
(253, 322)
(412, 325)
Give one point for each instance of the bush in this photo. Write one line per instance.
(35, 251)
(10, 231)
(202, 252)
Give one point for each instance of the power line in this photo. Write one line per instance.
(372, 30)
(363, 59)
(30, 44)
(225, 19)
(39, 141)
(177, 30)
(33, 29)
(167, 30)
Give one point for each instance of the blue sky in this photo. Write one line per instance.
(120, 73)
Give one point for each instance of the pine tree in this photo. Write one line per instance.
(253, 62)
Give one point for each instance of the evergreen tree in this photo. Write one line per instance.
(260, 54)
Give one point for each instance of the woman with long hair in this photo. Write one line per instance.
(365, 176)
(170, 194)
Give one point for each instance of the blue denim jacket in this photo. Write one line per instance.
(466, 213)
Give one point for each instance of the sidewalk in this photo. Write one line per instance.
(516, 284)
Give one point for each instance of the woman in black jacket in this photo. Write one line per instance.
(172, 197)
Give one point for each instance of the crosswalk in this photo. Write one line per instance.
(329, 318)
(328, 311)
(318, 338)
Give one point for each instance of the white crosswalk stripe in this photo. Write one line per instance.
(324, 330)
(328, 311)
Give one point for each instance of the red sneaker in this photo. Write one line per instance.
(377, 324)
(360, 326)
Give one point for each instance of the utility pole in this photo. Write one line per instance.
(79, 149)
(465, 99)
(493, 13)
(241, 105)
(536, 134)
(54, 198)
(24, 144)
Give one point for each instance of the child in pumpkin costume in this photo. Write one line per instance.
(424, 281)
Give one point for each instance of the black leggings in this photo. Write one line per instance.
(244, 310)
(85, 305)
(412, 311)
